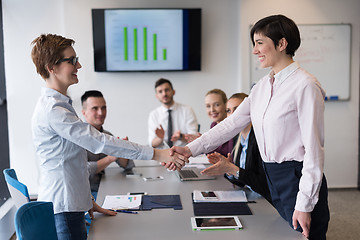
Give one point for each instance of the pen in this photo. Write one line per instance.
(125, 211)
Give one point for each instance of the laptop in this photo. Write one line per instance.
(192, 174)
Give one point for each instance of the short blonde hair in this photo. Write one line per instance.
(219, 92)
(47, 50)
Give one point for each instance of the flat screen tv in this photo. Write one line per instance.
(146, 39)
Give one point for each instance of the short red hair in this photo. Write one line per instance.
(47, 50)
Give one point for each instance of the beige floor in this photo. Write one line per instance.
(344, 215)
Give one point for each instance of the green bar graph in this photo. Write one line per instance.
(135, 45)
(126, 54)
(155, 46)
(164, 54)
(145, 42)
(144, 46)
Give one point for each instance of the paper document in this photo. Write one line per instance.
(118, 202)
(221, 196)
(201, 159)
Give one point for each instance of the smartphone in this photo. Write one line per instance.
(208, 195)
(137, 193)
(132, 174)
(153, 178)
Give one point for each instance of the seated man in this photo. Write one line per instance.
(244, 165)
(94, 111)
(169, 123)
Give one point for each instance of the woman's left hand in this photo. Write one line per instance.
(223, 165)
(304, 218)
(97, 208)
(216, 157)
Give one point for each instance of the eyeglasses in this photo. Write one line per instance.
(72, 60)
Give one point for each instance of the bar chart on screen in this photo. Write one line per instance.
(144, 39)
(145, 45)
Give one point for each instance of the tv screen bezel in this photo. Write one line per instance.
(192, 40)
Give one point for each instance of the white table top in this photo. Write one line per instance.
(265, 223)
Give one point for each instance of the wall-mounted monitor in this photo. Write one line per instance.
(146, 39)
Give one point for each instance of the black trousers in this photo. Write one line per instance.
(283, 180)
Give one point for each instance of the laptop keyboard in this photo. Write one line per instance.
(188, 174)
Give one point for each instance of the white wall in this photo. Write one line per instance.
(130, 96)
(341, 118)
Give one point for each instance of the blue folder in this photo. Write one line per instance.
(161, 201)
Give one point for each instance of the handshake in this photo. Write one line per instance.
(173, 158)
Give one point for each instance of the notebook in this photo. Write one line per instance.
(161, 201)
(192, 174)
(221, 208)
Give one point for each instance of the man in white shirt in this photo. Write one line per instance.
(169, 123)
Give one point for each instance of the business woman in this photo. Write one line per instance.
(286, 109)
(215, 104)
(61, 139)
(243, 166)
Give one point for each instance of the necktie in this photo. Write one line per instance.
(170, 129)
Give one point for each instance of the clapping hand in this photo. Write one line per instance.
(191, 137)
(160, 133)
(221, 165)
(176, 136)
(215, 157)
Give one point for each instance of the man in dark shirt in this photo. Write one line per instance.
(94, 111)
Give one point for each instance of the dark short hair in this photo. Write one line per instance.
(161, 81)
(91, 93)
(277, 27)
(219, 92)
(240, 96)
(48, 49)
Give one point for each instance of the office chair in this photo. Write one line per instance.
(35, 221)
(18, 191)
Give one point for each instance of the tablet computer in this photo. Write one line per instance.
(216, 223)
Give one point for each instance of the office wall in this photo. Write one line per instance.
(130, 96)
(341, 118)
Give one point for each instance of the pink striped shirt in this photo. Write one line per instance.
(288, 119)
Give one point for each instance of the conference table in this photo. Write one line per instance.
(264, 223)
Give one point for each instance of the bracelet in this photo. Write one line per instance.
(92, 198)
(237, 174)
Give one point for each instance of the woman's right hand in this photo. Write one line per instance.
(184, 151)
